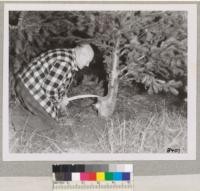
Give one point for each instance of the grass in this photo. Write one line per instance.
(153, 134)
(152, 127)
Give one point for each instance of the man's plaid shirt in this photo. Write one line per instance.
(48, 78)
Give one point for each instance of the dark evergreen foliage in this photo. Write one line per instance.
(153, 45)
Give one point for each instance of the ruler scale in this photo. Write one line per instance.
(113, 177)
(93, 186)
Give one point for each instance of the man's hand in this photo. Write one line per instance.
(63, 104)
(64, 101)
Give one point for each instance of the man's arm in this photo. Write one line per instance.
(54, 85)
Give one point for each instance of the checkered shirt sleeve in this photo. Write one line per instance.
(48, 77)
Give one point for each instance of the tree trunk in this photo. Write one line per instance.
(106, 105)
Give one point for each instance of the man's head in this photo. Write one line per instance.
(84, 55)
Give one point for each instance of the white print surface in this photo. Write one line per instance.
(88, 138)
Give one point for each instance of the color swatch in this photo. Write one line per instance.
(92, 172)
(93, 177)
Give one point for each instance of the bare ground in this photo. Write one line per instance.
(141, 123)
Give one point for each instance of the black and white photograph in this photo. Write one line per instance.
(99, 82)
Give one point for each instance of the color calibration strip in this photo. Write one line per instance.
(92, 172)
(93, 177)
(93, 168)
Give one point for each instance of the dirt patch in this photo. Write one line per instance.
(140, 123)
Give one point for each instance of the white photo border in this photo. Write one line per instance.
(192, 82)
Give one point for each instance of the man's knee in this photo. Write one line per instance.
(24, 97)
